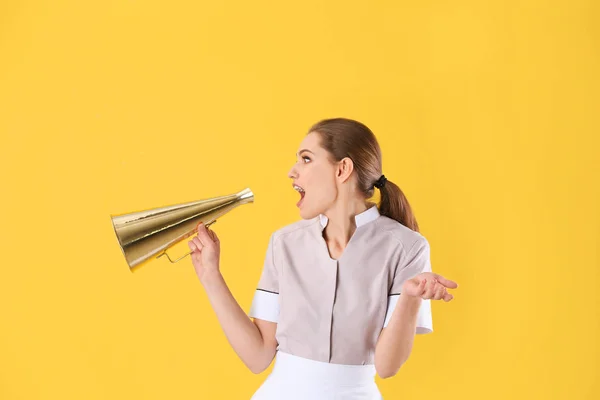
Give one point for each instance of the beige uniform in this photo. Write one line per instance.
(333, 311)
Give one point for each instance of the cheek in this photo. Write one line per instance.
(325, 189)
(320, 181)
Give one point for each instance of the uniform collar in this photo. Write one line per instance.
(370, 214)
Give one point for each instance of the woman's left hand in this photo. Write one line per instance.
(429, 285)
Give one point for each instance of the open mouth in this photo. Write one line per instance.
(302, 193)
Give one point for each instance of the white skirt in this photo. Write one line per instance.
(296, 378)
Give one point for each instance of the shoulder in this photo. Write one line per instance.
(296, 230)
(401, 234)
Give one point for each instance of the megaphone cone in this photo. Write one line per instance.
(144, 234)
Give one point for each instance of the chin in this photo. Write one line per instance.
(307, 213)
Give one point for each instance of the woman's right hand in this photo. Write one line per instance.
(206, 250)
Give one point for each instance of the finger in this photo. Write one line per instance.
(430, 290)
(198, 244)
(439, 292)
(435, 291)
(422, 287)
(191, 245)
(448, 297)
(203, 235)
(446, 282)
(433, 288)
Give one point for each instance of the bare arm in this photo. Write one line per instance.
(253, 341)
(396, 340)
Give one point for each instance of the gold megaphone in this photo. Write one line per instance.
(144, 234)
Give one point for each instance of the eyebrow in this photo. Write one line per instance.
(298, 153)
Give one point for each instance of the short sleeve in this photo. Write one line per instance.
(418, 260)
(265, 304)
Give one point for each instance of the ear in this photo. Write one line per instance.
(344, 169)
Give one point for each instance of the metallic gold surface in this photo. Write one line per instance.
(143, 234)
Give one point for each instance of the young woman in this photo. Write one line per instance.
(344, 290)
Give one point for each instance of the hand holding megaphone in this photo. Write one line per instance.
(206, 251)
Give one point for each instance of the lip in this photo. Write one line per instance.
(302, 194)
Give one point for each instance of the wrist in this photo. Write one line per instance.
(405, 290)
(408, 302)
(210, 275)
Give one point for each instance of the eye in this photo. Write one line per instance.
(306, 158)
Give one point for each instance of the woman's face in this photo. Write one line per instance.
(314, 176)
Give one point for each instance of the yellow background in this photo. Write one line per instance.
(487, 114)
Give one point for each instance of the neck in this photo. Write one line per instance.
(341, 222)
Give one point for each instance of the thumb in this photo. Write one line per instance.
(213, 235)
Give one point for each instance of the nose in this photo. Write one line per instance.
(293, 174)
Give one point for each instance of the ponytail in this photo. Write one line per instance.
(394, 205)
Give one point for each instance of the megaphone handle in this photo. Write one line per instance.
(165, 254)
(185, 255)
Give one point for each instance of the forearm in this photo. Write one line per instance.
(396, 341)
(243, 335)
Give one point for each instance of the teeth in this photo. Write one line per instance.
(298, 188)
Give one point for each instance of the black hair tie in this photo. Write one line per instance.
(380, 182)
